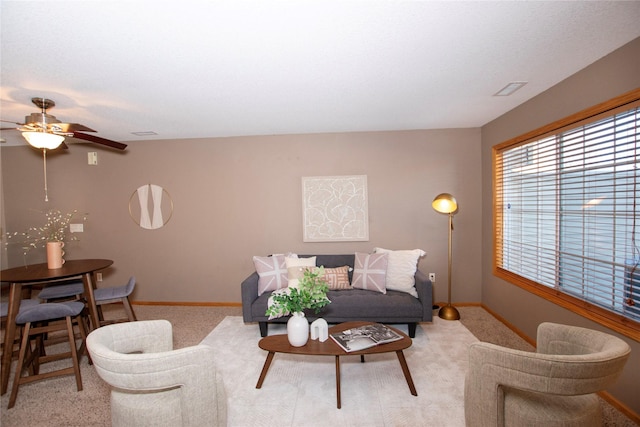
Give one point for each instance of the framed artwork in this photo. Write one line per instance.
(334, 208)
(150, 206)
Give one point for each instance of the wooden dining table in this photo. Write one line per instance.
(28, 275)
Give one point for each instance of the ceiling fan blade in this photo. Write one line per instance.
(70, 127)
(99, 140)
(11, 121)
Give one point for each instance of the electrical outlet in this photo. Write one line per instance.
(432, 277)
(99, 277)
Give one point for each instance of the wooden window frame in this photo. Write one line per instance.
(617, 322)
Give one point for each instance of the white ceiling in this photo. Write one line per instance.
(191, 69)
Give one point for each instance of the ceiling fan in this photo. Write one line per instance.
(43, 123)
(44, 131)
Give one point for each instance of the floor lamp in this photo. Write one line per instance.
(445, 203)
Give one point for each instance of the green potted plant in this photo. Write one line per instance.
(310, 294)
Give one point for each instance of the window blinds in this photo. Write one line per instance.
(566, 213)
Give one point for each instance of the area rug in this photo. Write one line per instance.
(301, 390)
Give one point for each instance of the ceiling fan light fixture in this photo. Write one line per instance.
(46, 140)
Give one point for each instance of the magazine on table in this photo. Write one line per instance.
(356, 339)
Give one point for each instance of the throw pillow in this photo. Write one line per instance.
(296, 268)
(369, 272)
(337, 278)
(402, 269)
(272, 272)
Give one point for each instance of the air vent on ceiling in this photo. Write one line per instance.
(510, 88)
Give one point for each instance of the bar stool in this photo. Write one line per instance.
(4, 310)
(54, 293)
(24, 304)
(45, 318)
(113, 295)
(70, 291)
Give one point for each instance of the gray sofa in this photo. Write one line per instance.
(347, 305)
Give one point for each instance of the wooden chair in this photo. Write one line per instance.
(65, 290)
(116, 294)
(41, 319)
(4, 310)
(72, 290)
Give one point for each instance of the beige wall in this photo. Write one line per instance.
(613, 75)
(239, 197)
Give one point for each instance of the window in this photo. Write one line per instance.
(567, 215)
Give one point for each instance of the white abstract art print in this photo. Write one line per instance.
(335, 208)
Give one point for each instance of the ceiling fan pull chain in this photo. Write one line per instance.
(44, 157)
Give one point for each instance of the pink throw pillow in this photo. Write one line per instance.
(370, 272)
(272, 271)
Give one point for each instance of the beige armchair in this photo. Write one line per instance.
(554, 386)
(153, 385)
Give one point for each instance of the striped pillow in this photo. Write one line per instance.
(296, 268)
(337, 278)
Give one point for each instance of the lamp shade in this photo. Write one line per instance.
(445, 203)
(43, 139)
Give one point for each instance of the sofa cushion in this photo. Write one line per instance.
(361, 304)
(355, 304)
(272, 271)
(369, 272)
(401, 269)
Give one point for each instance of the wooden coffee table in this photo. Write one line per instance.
(280, 344)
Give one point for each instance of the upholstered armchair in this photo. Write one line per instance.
(553, 386)
(152, 384)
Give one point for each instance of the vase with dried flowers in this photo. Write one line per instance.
(52, 236)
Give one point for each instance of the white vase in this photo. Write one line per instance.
(298, 329)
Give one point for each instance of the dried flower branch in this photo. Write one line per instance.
(55, 229)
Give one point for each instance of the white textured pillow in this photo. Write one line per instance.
(296, 268)
(401, 269)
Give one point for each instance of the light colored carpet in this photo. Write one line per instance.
(301, 390)
(55, 403)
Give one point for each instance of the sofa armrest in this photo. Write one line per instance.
(424, 288)
(249, 293)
